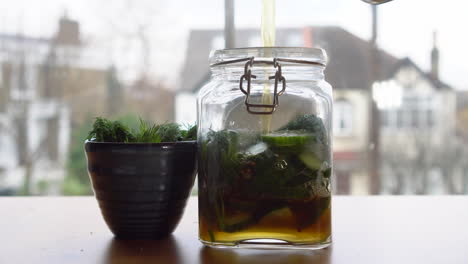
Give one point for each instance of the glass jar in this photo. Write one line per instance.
(264, 139)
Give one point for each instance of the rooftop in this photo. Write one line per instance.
(350, 61)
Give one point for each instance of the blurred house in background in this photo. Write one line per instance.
(51, 87)
(418, 119)
(46, 87)
(151, 100)
(410, 102)
(76, 73)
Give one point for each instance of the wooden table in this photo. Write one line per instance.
(365, 230)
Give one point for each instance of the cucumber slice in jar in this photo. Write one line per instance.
(308, 123)
(311, 160)
(287, 141)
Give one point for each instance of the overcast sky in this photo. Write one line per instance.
(406, 26)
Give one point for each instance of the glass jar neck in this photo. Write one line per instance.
(263, 63)
(298, 72)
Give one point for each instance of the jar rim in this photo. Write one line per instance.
(307, 55)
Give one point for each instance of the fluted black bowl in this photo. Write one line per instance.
(142, 188)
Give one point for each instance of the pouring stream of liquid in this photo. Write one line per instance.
(268, 40)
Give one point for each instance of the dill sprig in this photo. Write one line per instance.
(110, 131)
(105, 130)
(147, 132)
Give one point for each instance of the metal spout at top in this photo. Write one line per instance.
(376, 2)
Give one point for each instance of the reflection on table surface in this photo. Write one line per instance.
(143, 251)
(174, 250)
(260, 256)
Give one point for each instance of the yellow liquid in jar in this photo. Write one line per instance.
(282, 224)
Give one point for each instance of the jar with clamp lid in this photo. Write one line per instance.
(264, 139)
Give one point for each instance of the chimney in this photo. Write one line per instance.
(68, 32)
(435, 58)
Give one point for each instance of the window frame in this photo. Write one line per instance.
(343, 114)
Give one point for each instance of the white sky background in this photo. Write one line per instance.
(406, 27)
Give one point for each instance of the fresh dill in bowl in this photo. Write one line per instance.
(105, 130)
(142, 189)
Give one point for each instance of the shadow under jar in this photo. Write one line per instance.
(264, 142)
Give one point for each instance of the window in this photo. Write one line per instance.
(131, 63)
(343, 118)
(417, 111)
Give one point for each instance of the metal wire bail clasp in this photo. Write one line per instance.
(247, 76)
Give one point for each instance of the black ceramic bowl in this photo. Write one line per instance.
(142, 188)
